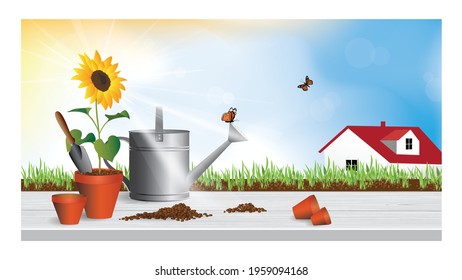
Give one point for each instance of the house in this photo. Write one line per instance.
(408, 147)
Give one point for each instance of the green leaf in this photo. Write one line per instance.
(81, 110)
(109, 149)
(123, 114)
(77, 134)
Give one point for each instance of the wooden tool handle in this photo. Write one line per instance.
(62, 123)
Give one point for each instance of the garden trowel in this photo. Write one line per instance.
(77, 153)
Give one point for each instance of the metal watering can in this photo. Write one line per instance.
(159, 162)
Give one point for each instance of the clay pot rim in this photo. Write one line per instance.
(325, 215)
(69, 198)
(299, 210)
(97, 179)
(94, 169)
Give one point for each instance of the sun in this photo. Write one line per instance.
(101, 79)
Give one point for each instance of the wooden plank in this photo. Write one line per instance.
(349, 210)
(364, 201)
(268, 220)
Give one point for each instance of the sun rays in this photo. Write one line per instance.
(156, 64)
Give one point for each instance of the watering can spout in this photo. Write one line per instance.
(234, 135)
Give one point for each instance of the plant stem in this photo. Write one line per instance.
(99, 133)
(104, 125)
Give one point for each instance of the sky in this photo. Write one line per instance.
(364, 72)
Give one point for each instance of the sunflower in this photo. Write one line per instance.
(101, 79)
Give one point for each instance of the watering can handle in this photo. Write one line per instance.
(159, 125)
(126, 181)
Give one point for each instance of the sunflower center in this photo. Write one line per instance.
(101, 80)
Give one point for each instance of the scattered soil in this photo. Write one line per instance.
(245, 207)
(178, 212)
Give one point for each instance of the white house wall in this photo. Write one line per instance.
(401, 145)
(350, 146)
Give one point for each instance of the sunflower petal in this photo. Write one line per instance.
(119, 94)
(90, 92)
(99, 95)
(118, 79)
(92, 99)
(121, 86)
(109, 101)
(103, 102)
(85, 59)
(108, 98)
(85, 83)
(82, 57)
(97, 58)
(114, 95)
(94, 66)
(76, 77)
(91, 66)
(82, 72)
(107, 61)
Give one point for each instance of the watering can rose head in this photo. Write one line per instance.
(103, 86)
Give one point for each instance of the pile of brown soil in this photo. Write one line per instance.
(245, 207)
(179, 212)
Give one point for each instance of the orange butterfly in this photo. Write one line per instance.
(230, 115)
(307, 84)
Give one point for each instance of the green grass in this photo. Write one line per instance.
(266, 174)
(365, 175)
(42, 174)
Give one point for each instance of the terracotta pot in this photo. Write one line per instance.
(305, 208)
(321, 217)
(101, 191)
(69, 207)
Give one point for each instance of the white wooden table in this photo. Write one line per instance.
(355, 216)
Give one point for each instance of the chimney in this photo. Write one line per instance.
(382, 123)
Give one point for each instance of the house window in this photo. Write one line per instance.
(351, 164)
(408, 143)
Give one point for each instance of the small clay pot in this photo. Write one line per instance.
(305, 208)
(321, 217)
(69, 207)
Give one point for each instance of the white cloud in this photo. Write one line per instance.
(381, 56)
(361, 53)
(433, 89)
(218, 96)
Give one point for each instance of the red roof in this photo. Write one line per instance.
(396, 134)
(372, 135)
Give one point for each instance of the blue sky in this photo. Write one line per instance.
(364, 72)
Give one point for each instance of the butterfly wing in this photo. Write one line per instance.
(308, 81)
(225, 117)
(303, 86)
